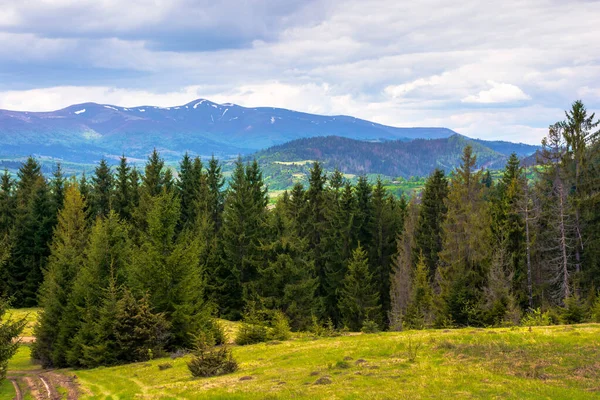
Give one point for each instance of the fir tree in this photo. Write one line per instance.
(108, 254)
(428, 232)
(465, 257)
(167, 266)
(244, 221)
(101, 192)
(419, 313)
(53, 331)
(359, 298)
(123, 194)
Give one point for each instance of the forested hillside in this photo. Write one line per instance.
(389, 158)
(126, 248)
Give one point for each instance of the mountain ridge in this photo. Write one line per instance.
(200, 127)
(418, 157)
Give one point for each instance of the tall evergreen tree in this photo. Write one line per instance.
(359, 298)
(432, 213)
(123, 194)
(107, 257)
(102, 190)
(53, 331)
(167, 266)
(464, 260)
(33, 224)
(243, 230)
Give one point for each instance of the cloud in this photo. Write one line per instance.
(498, 93)
(408, 64)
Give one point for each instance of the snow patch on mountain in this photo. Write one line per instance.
(111, 108)
(80, 111)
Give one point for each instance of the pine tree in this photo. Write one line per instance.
(419, 313)
(57, 187)
(188, 188)
(122, 201)
(167, 266)
(287, 278)
(383, 231)
(216, 199)
(359, 298)
(7, 220)
(466, 254)
(107, 257)
(102, 190)
(402, 267)
(557, 220)
(243, 229)
(317, 225)
(153, 180)
(364, 211)
(579, 136)
(53, 331)
(508, 225)
(432, 213)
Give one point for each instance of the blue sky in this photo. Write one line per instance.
(501, 70)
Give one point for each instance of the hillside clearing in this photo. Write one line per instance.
(558, 362)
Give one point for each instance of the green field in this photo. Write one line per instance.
(557, 362)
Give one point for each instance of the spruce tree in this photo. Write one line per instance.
(188, 188)
(243, 230)
(216, 199)
(53, 332)
(432, 212)
(419, 313)
(359, 297)
(57, 187)
(123, 194)
(287, 278)
(466, 254)
(107, 257)
(317, 225)
(102, 190)
(402, 267)
(167, 266)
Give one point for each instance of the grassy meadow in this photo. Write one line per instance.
(557, 362)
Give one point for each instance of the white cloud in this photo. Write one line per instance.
(399, 63)
(498, 93)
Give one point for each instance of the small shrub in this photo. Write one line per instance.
(318, 329)
(412, 350)
(536, 317)
(370, 326)
(164, 366)
(212, 362)
(280, 327)
(595, 311)
(342, 364)
(251, 334)
(573, 312)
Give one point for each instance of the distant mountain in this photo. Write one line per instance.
(418, 157)
(84, 133)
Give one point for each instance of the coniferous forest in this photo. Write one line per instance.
(127, 263)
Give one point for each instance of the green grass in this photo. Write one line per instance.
(22, 360)
(549, 362)
(7, 392)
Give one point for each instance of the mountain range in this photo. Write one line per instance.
(84, 133)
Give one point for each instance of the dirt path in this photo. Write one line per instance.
(44, 385)
(18, 394)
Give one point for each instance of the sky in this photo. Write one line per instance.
(492, 70)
